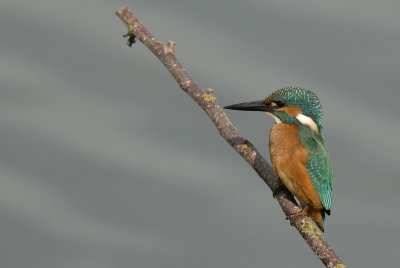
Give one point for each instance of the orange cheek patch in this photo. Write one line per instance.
(293, 111)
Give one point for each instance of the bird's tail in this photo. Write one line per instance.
(318, 216)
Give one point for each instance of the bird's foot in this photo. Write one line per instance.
(277, 190)
(293, 217)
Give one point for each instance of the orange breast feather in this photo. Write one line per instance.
(289, 160)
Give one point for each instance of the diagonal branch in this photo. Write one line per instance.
(207, 100)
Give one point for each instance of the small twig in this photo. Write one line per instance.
(207, 100)
(131, 39)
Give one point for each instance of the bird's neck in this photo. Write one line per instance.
(299, 120)
(284, 118)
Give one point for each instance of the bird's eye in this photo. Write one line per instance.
(273, 104)
(276, 104)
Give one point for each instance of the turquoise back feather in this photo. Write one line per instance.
(318, 165)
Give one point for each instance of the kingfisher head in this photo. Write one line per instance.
(290, 105)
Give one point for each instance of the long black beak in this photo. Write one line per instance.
(250, 106)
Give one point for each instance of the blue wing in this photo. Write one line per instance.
(319, 167)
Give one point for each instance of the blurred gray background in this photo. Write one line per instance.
(104, 162)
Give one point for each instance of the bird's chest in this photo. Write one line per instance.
(284, 143)
(289, 158)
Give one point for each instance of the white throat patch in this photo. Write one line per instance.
(277, 120)
(307, 122)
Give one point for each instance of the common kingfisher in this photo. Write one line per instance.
(297, 148)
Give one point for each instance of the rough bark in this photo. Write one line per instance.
(207, 100)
